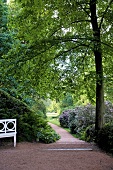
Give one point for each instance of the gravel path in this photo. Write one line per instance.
(66, 154)
(65, 136)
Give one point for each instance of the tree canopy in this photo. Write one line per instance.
(63, 46)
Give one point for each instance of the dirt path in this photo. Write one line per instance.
(66, 154)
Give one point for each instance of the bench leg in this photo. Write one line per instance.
(15, 141)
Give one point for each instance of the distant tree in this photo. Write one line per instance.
(6, 42)
(5, 36)
(67, 101)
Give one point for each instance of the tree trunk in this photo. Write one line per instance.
(99, 91)
(99, 68)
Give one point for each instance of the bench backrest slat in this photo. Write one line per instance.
(5, 126)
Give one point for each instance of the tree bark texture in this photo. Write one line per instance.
(99, 68)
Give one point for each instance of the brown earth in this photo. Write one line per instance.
(66, 154)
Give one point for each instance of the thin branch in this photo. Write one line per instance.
(108, 45)
(66, 51)
(66, 39)
(56, 31)
(80, 21)
(84, 9)
(105, 14)
(73, 22)
(63, 52)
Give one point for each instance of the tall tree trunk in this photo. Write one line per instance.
(99, 67)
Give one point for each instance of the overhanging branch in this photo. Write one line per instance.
(70, 49)
(111, 1)
(83, 9)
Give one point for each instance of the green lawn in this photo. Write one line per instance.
(53, 118)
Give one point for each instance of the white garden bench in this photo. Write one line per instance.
(8, 129)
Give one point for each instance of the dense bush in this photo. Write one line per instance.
(81, 121)
(47, 135)
(81, 117)
(28, 122)
(105, 138)
(64, 118)
(78, 119)
(108, 117)
(89, 133)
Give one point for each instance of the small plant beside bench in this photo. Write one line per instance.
(8, 129)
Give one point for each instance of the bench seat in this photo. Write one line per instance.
(6, 130)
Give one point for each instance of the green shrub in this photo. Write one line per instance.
(105, 138)
(81, 117)
(108, 117)
(47, 135)
(28, 122)
(64, 119)
(90, 133)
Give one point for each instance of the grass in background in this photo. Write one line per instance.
(53, 118)
(54, 121)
